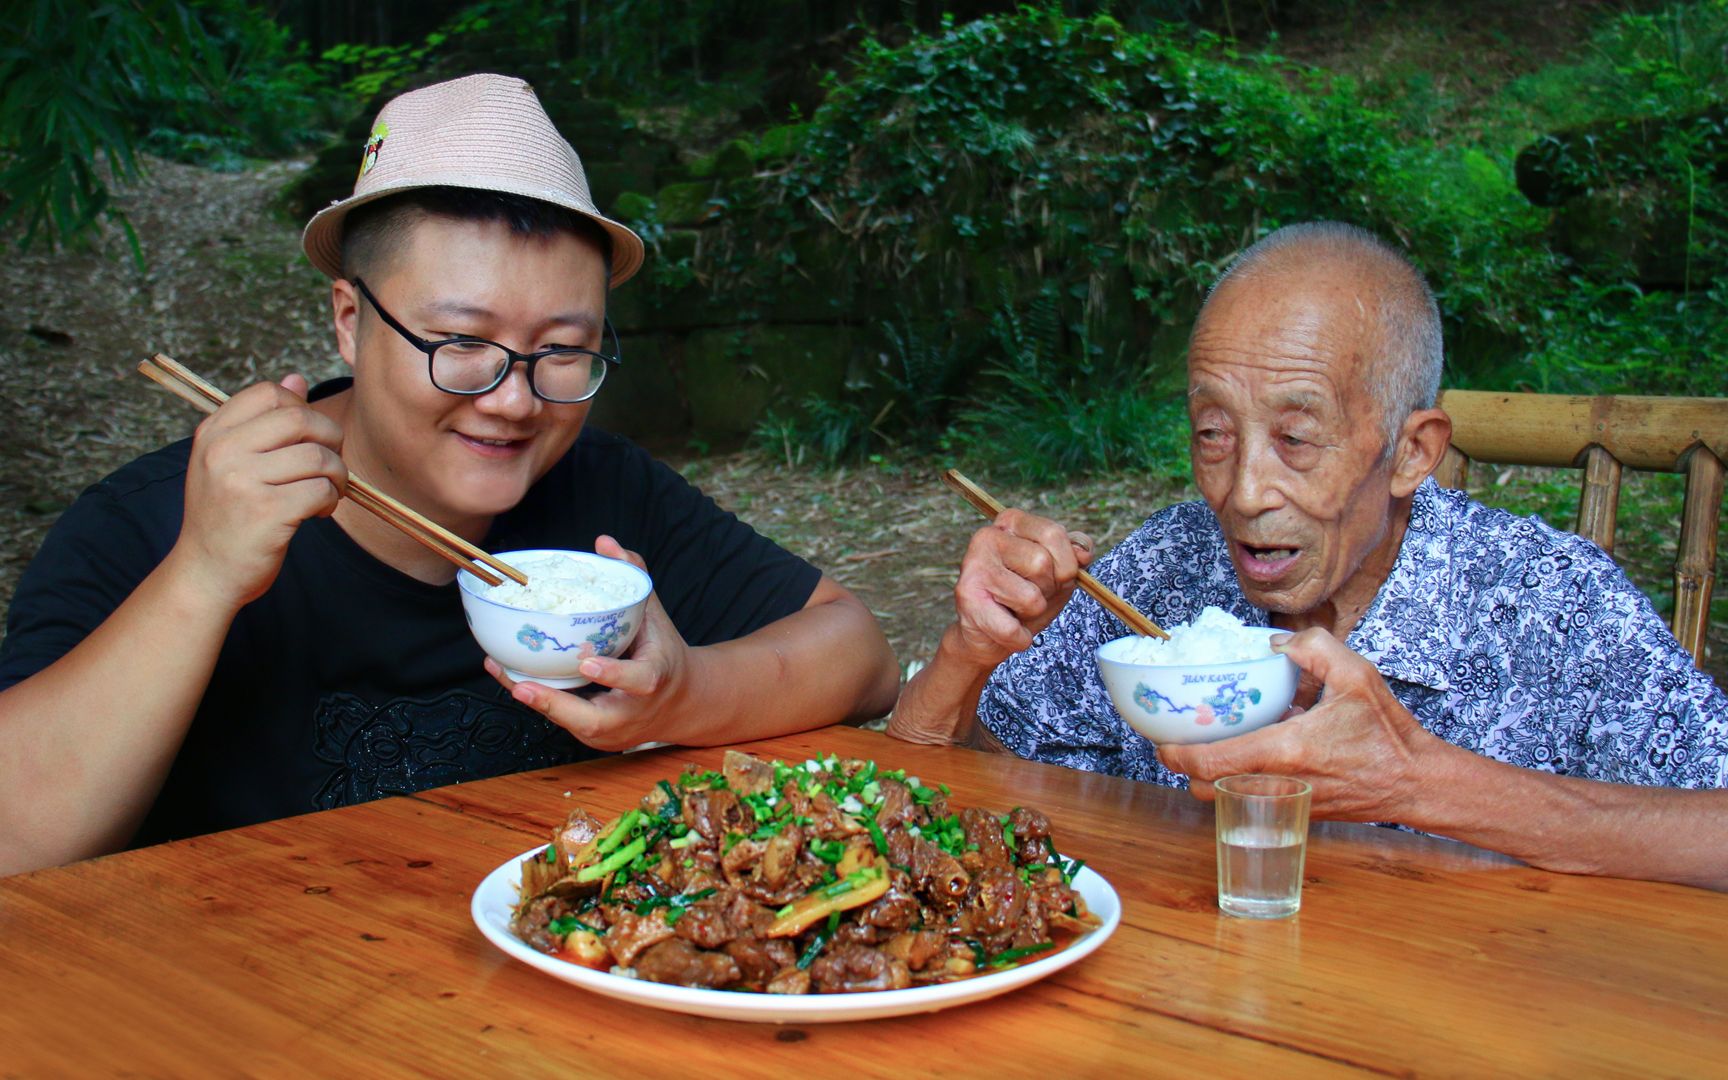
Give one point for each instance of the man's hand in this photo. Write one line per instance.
(1017, 573)
(647, 686)
(1362, 750)
(260, 465)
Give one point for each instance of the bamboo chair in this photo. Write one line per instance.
(1602, 436)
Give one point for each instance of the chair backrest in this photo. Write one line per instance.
(1602, 436)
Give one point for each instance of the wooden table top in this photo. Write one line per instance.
(341, 942)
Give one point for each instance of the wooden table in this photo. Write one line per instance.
(340, 944)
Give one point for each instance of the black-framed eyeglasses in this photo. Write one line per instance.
(472, 366)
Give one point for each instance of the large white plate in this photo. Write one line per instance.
(495, 899)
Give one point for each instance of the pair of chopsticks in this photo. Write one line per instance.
(1115, 605)
(180, 381)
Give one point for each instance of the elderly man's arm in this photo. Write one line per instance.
(1017, 574)
(1369, 760)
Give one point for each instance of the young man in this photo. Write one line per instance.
(213, 637)
(1479, 675)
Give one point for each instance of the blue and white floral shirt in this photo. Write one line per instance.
(1500, 634)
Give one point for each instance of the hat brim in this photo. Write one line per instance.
(322, 239)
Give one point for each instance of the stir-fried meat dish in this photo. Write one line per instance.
(826, 877)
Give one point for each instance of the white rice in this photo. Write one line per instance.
(561, 586)
(1215, 637)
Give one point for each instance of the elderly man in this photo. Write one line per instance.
(1466, 672)
(211, 638)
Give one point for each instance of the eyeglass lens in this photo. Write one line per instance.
(470, 367)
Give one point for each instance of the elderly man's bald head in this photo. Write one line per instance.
(1404, 321)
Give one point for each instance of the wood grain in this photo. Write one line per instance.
(1695, 567)
(340, 942)
(1555, 429)
(1599, 501)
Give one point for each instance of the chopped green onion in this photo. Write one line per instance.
(679, 843)
(876, 836)
(613, 861)
(617, 835)
(569, 924)
(710, 779)
(851, 881)
(1014, 956)
(673, 805)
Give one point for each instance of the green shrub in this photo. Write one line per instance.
(85, 87)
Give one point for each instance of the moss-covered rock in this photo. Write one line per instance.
(731, 376)
(632, 206)
(685, 203)
(642, 399)
(733, 161)
(779, 143)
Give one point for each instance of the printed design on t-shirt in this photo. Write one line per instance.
(603, 642)
(406, 745)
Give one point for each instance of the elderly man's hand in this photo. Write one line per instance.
(646, 686)
(1366, 756)
(1018, 572)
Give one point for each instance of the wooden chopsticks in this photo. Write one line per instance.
(1122, 609)
(180, 381)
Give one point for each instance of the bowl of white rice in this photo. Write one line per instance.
(1214, 678)
(575, 605)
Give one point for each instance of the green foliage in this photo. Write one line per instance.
(86, 86)
(376, 68)
(66, 74)
(1037, 155)
(269, 99)
(1064, 406)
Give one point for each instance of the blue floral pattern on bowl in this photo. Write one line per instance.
(1225, 707)
(602, 642)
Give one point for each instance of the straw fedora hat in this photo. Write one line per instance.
(481, 131)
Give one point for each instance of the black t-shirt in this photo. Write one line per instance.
(349, 680)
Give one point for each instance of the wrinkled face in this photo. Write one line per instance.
(1287, 438)
(461, 459)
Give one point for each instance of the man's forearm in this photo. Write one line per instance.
(1579, 826)
(825, 664)
(940, 703)
(86, 743)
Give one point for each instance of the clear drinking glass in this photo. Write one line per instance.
(1262, 841)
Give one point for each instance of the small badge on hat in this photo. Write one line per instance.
(374, 143)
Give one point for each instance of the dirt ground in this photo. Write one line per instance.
(228, 292)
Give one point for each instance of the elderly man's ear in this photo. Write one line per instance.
(1421, 443)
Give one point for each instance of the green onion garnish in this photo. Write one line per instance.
(1014, 956)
